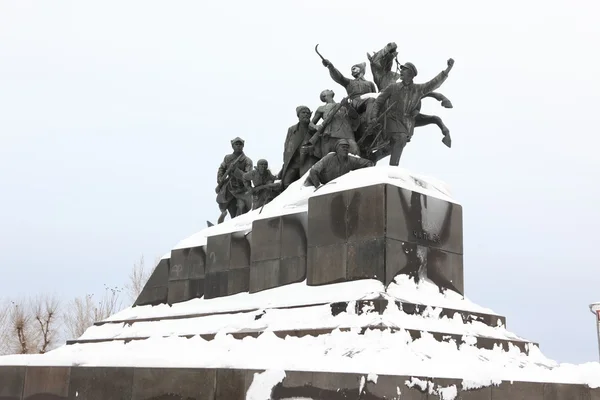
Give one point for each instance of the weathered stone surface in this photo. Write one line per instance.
(232, 384)
(365, 213)
(99, 383)
(326, 264)
(218, 252)
(293, 235)
(445, 269)
(173, 383)
(393, 387)
(264, 274)
(518, 391)
(228, 265)
(11, 382)
(266, 239)
(366, 259)
(155, 290)
(46, 383)
(292, 269)
(278, 251)
(238, 280)
(380, 231)
(180, 291)
(401, 258)
(559, 391)
(425, 220)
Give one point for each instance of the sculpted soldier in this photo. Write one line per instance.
(265, 189)
(334, 165)
(405, 97)
(355, 88)
(338, 118)
(232, 194)
(298, 154)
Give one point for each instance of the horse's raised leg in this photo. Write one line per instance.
(424, 119)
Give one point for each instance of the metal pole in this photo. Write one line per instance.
(595, 308)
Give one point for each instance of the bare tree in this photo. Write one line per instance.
(45, 316)
(4, 328)
(31, 325)
(83, 311)
(137, 279)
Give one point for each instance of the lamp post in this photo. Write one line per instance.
(595, 308)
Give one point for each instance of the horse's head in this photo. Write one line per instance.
(384, 58)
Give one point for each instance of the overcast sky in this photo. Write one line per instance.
(115, 115)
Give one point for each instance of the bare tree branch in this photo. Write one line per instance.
(32, 325)
(4, 327)
(82, 312)
(46, 317)
(137, 279)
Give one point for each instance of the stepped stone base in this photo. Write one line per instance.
(120, 383)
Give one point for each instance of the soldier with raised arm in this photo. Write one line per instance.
(404, 96)
(355, 88)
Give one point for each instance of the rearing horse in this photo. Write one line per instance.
(381, 68)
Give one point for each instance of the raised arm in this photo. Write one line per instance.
(436, 82)
(318, 115)
(336, 75)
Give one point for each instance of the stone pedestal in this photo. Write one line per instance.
(187, 274)
(228, 265)
(380, 231)
(278, 251)
(156, 289)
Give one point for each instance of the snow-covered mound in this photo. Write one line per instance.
(295, 198)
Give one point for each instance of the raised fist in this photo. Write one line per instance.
(450, 62)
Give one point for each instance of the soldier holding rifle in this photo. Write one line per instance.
(231, 192)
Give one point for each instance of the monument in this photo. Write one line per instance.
(341, 277)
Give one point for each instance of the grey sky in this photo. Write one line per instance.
(115, 115)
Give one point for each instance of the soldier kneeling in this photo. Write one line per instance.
(334, 165)
(265, 188)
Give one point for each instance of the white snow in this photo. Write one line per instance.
(284, 296)
(374, 352)
(263, 383)
(304, 318)
(403, 289)
(295, 198)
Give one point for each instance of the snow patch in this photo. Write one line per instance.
(263, 383)
(372, 377)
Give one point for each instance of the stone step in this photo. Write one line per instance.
(360, 306)
(482, 342)
(61, 382)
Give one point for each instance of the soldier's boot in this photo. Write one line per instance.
(222, 217)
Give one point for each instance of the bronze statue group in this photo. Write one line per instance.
(360, 130)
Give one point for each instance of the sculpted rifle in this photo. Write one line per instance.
(315, 137)
(227, 175)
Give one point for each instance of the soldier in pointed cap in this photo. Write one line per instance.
(356, 88)
(231, 191)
